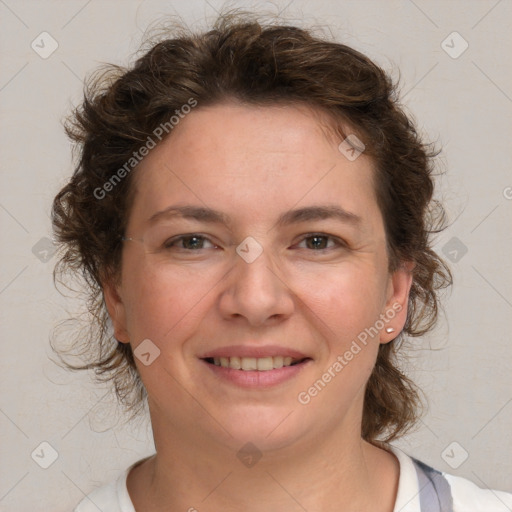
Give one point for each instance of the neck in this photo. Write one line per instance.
(330, 473)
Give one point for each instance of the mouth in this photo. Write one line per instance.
(254, 367)
(260, 364)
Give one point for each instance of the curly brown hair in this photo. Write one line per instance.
(256, 63)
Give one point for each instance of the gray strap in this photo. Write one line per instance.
(435, 492)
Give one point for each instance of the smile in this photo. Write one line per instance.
(255, 372)
(254, 363)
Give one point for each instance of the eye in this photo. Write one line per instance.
(320, 242)
(192, 242)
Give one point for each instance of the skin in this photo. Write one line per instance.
(254, 163)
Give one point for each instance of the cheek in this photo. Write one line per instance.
(347, 299)
(164, 302)
(345, 309)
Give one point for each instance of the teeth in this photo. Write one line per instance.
(265, 363)
(253, 363)
(234, 362)
(249, 363)
(278, 361)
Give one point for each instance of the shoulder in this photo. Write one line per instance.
(421, 485)
(468, 497)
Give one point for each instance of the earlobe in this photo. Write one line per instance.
(395, 311)
(116, 311)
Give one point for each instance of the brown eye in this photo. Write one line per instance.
(187, 242)
(317, 242)
(320, 242)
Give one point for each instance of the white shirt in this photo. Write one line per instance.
(467, 497)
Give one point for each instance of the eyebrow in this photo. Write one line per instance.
(296, 216)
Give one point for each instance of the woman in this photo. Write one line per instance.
(252, 211)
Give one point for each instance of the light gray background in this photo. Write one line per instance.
(463, 103)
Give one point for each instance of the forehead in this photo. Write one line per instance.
(251, 160)
(233, 132)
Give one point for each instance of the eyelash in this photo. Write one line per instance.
(170, 243)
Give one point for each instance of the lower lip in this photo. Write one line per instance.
(257, 379)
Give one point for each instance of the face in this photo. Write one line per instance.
(277, 257)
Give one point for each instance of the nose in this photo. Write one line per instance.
(256, 292)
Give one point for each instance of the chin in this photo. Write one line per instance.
(265, 427)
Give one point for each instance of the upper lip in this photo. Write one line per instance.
(252, 351)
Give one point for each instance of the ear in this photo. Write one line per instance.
(394, 314)
(116, 311)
